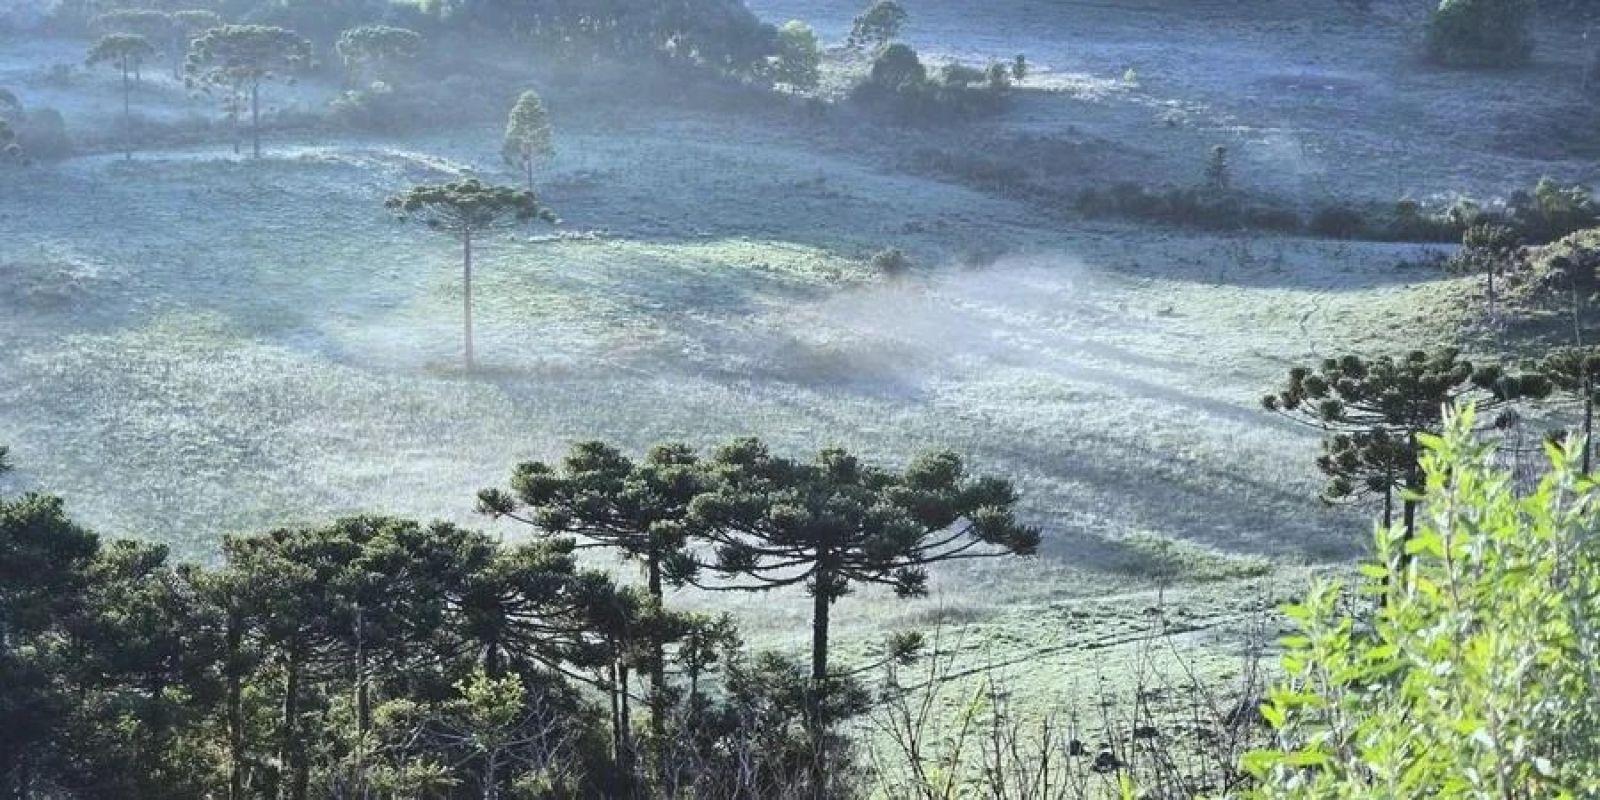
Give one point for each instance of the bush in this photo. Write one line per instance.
(1481, 33)
(897, 69)
(891, 263)
(1337, 222)
(898, 86)
(1202, 207)
(42, 133)
(798, 63)
(973, 168)
(376, 108)
(1571, 265)
(1474, 677)
(957, 74)
(1553, 210)
(1410, 222)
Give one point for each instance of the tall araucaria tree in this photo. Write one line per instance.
(467, 211)
(640, 509)
(1373, 411)
(833, 524)
(238, 59)
(151, 24)
(527, 139)
(125, 52)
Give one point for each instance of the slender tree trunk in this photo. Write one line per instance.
(291, 754)
(527, 164)
(127, 116)
(491, 776)
(235, 701)
(491, 659)
(821, 606)
(1413, 486)
(466, 273)
(1588, 427)
(1388, 504)
(658, 655)
(616, 714)
(255, 119)
(155, 744)
(626, 715)
(363, 690)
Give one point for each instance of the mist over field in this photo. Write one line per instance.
(1072, 244)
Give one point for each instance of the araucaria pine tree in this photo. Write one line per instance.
(238, 59)
(153, 25)
(639, 509)
(835, 524)
(125, 52)
(1373, 412)
(467, 211)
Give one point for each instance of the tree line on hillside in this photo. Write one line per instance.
(380, 657)
(230, 51)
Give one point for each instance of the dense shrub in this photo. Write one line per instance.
(1481, 33)
(891, 263)
(798, 63)
(42, 133)
(1567, 268)
(1553, 210)
(1337, 222)
(972, 167)
(1475, 676)
(27, 134)
(1409, 221)
(1189, 207)
(376, 108)
(898, 86)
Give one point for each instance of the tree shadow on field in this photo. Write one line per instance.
(1189, 501)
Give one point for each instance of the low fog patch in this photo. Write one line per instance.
(897, 338)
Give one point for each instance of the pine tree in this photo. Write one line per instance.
(527, 138)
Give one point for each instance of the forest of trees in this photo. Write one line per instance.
(380, 657)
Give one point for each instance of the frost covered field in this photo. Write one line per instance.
(196, 344)
(187, 325)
